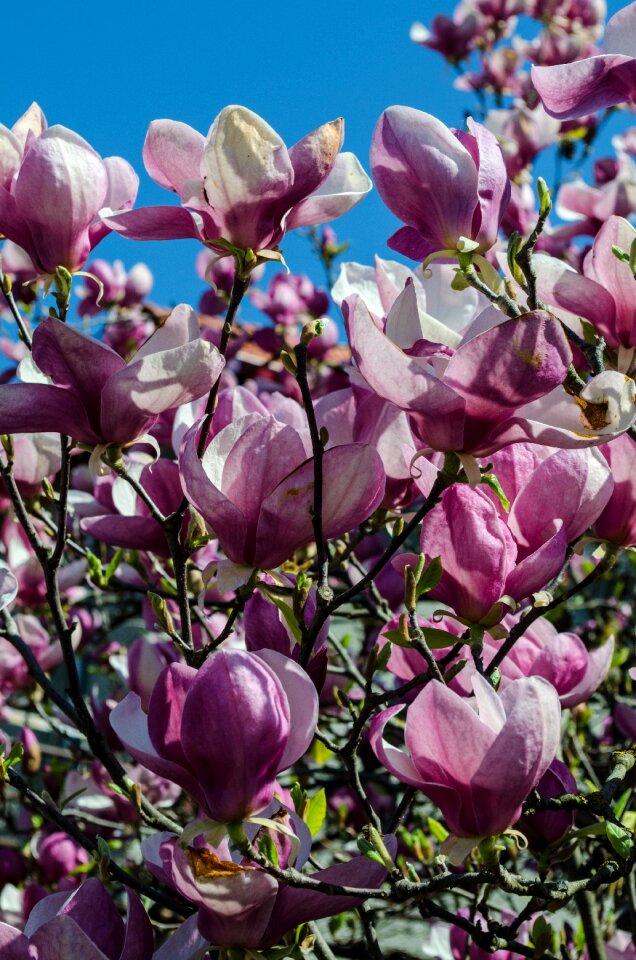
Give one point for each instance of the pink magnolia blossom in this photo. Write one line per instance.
(241, 184)
(83, 388)
(120, 288)
(573, 89)
(476, 760)
(121, 518)
(258, 711)
(51, 191)
(239, 903)
(255, 487)
(501, 385)
(488, 554)
(617, 522)
(447, 186)
(551, 826)
(84, 924)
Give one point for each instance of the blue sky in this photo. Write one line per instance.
(106, 71)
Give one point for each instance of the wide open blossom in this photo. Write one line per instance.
(255, 486)
(84, 924)
(239, 903)
(604, 294)
(450, 188)
(258, 711)
(52, 187)
(571, 90)
(477, 759)
(241, 184)
(501, 385)
(84, 389)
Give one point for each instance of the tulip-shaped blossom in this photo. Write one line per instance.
(501, 385)
(550, 826)
(488, 554)
(84, 389)
(85, 924)
(49, 205)
(223, 733)
(118, 287)
(617, 522)
(450, 188)
(31, 124)
(255, 486)
(241, 184)
(477, 759)
(571, 90)
(239, 903)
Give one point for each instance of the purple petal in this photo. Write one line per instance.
(61, 185)
(303, 704)
(155, 223)
(240, 704)
(172, 154)
(571, 90)
(39, 407)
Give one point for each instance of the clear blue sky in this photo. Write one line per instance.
(107, 70)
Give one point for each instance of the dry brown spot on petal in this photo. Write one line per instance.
(594, 413)
(206, 865)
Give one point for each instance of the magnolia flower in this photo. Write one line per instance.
(450, 188)
(571, 90)
(502, 384)
(82, 388)
(54, 187)
(239, 903)
(255, 486)
(259, 713)
(84, 924)
(240, 185)
(476, 760)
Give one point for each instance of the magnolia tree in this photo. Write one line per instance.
(320, 649)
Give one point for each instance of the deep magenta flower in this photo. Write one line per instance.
(255, 487)
(84, 924)
(447, 186)
(571, 90)
(223, 733)
(488, 553)
(49, 205)
(239, 903)
(476, 760)
(84, 389)
(241, 184)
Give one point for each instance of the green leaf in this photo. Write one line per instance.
(268, 848)
(491, 481)
(435, 639)
(67, 800)
(95, 570)
(382, 658)
(111, 569)
(395, 636)
(542, 937)
(287, 613)
(431, 576)
(438, 831)
(621, 803)
(299, 798)
(315, 812)
(620, 838)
